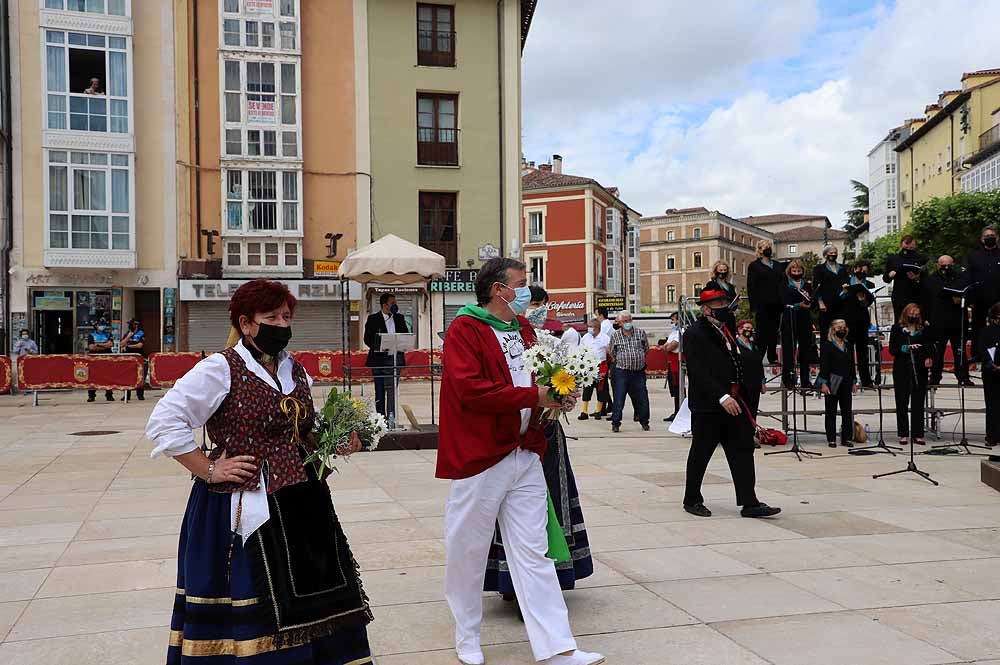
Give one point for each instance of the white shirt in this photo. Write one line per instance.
(390, 323)
(675, 336)
(192, 401)
(598, 345)
(512, 345)
(607, 327)
(570, 337)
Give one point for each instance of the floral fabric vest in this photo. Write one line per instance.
(255, 419)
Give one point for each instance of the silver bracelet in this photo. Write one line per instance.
(211, 470)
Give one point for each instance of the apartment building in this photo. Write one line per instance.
(798, 235)
(883, 184)
(679, 248)
(94, 184)
(576, 239)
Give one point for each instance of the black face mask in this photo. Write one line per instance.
(908, 252)
(795, 277)
(913, 319)
(831, 259)
(748, 334)
(719, 313)
(990, 241)
(272, 340)
(767, 253)
(721, 275)
(947, 271)
(842, 334)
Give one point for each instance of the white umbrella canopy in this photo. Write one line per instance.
(392, 260)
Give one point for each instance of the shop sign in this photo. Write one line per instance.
(456, 281)
(169, 320)
(259, 6)
(326, 268)
(613, 303)
(59, 301)
(489, 251)
(302, 289)
(567, 310)
(396, 290)
(116, 317)
(262, 111)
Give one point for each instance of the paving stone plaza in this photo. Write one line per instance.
(855, 571)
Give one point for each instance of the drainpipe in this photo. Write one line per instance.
(197, 126)
(503, 221)
(8, 202)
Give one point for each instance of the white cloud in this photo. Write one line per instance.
(754, 153)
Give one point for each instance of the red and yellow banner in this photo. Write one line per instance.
(98, 372)
(5, 368)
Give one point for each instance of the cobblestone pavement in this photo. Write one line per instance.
(855, 571)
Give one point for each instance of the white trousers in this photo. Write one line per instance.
(512, 492)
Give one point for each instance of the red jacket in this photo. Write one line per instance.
(480, 405)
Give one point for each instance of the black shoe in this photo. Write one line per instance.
(645, 427)
(670, 418)
(616, 428)
(847, 444)
(635, 419)
(968, 383)
(832, 444)
(583, 416)
(698, 510)
(598, 417)
(90, 398)
(760, 510)
(141, 398)
(110, 398)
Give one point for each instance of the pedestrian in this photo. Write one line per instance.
(983, 273)
(490, 447)
(951, 326)
(570, 336)
(798, 297)
(597, 343)
(134, 341)
(830, 282)
(722, 281)
(561, 485)
(857, 314)
(989, 340)
(716, 383)
(903, 291)
(627, 350)
(538, 309)
(836, 381)
(387, 320)
(753, 366)
(99, 343)
(765, 278)
(264, 571)
(671, 347)
(25, 346)
(911, 344)
(607, 325)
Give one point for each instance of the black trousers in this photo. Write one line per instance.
(910, 397)
(950, 336)
(991, 388)
(841, 398)
(861, 348)
(673, 382)
(801, 338)
(767, 320)
(735, 434)
(108, 394)
(385, 395)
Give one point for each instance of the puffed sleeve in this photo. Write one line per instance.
(187, 406)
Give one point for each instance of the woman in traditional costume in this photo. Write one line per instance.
(264, 572)
(562, 489)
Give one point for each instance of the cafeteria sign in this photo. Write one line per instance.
(456, 281)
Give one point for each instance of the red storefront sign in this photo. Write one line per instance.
(97, 372)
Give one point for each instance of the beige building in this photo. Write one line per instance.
(798, 235)
(678, 249)
(94, 108)
(443, 108)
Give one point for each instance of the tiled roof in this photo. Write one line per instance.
(538, 179)
(809, 233)
(686, 211)
(764, 220)
(527, 13)
(981, 72)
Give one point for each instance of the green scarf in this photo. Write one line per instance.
(477, 312)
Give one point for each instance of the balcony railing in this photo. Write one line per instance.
(535, 237)
(437, 147)
(435, 48)
(990, 137)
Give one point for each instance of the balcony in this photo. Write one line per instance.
(990, 137)
(106, 259)
(435, 48)
(437, 147)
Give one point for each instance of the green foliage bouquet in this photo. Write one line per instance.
(342, 416)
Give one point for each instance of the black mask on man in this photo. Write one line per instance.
(990, 241)
(719, 313)
(913, 318)
(947, 271)
(767, 252)
(272, 340)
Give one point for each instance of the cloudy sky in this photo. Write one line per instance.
(744, 106)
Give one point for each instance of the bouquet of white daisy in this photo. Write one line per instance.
(340, 418)
(564, 369)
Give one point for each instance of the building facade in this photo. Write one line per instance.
(883, 184)
(679, 248)
(955, 130)
(443, 101)
(6, 213)
(798, 235)
(572, 222)
(94, 186)
(981, 171)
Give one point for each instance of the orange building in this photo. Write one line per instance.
(577, 241)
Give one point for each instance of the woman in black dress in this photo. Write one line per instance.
(836, 378)
(796, 326)
(989, 341)
(722, 281)
(754, 383)
(912, 347)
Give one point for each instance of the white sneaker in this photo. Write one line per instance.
(578, 658)
(476, 658)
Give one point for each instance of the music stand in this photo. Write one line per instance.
(797, 450)
(394, 343)
(881, 446)
(911, 465)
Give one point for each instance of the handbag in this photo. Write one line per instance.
(763, 435)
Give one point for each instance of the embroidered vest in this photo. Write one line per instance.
(255, 419)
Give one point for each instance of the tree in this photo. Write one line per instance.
(859, 210)
(809, 261)
(952, 224)
(879, 250)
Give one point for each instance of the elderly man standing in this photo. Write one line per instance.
(627, 351)
(490, 447)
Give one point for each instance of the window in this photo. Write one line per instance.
(112, 7)
(536, 231)
(87, 82)
(598, 223)
(671, 262)
(438, 224)
(697, 234)
(257, 27)
(697, 289)
(671, 235)
(262, 255)
(536, 270)
(611, 272)
(436, 35)
(599, 282)
(89, 202)
(261, 109)
(259, 201)
(437, 130)
(671, 294)
(610, 227)
(888, 168)
(697, 259)
(793, 249)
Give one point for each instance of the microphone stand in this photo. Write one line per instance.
(881, 446)
(911, 466)
(795, 448)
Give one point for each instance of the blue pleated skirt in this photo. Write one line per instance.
(217, 617)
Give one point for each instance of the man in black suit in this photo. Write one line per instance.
(716, 395)
(386, 320)
(944, 289)
(904, 290)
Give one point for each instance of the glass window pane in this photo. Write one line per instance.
(270, 144)
(119, 224)
(267, 35)
(232, 75)
(54, 4)
(96, 6)
(119, 241)
(234, 215)
(288, 40)
(252, 38)
(77, 39)
(95, 40)
(287, 110)
(55, 61)
(54, 37)
(58, 188)
(233, 111)
(234, 142)
(290, 186)
(267, 76)
(58, 156)
(291, 254)
(116, 43)
(117, 74)
(288, 79)
(232, 6)
(98, 224)
(119, 116)
(231, 32)
(234, 185)
(119, 191)
(253, 142)
(116, 7)
(290, 216)
(287, 7)
(289, 144)
(98, 158)
(119, 160)
(57, 112)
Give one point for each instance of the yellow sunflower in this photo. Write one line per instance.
(563, 382)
